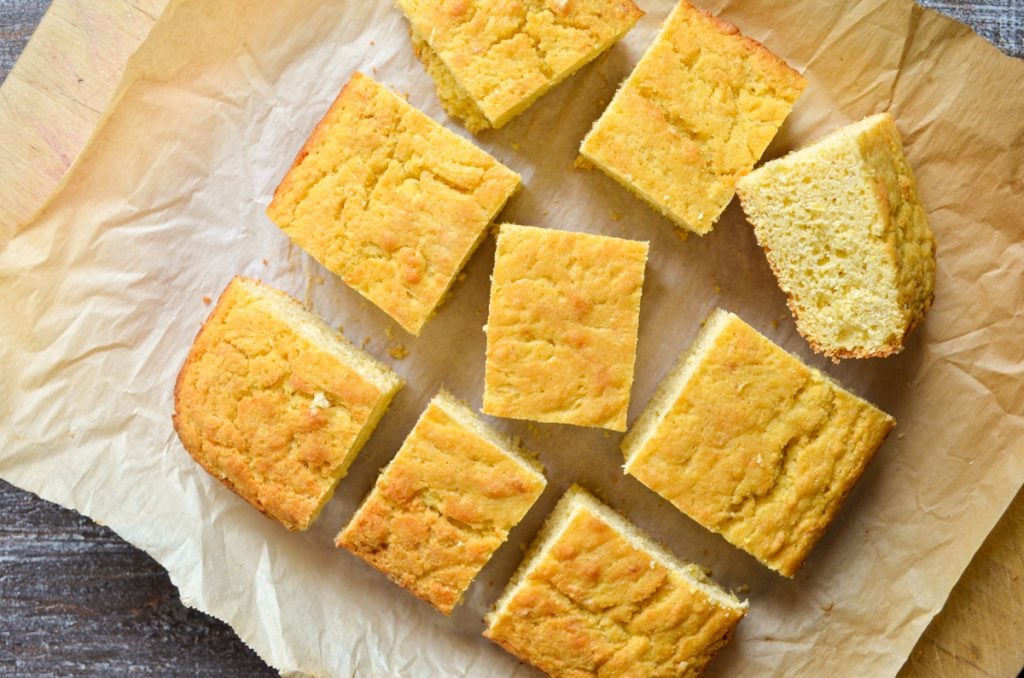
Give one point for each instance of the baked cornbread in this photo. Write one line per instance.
(562, 326)
(389, 200)
(491, 59)
(444, 504)
(752, 444)
(694, 116)
(847, 238)
(275, 404)
(595, 596)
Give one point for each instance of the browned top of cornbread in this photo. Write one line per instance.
(695, 115)
(443, 505)
(753, 444)
(491, 58)
(847, 237)
(595, 602)
(562, 326)
(276, 407)
(390, 200)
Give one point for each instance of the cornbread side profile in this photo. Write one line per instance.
(694, 116)
(491, 59)
(389, 200)
(562, 326)
(444, 504)
(597, 596)
(847, 238)
(752, 444)
(275, 404)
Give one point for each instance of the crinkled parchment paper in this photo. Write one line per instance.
(103, 293)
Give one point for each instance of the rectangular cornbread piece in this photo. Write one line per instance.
(562, 326)
(491, 59)
(389, 200)
(275, 404)
(847, 238)
(597, 596)
(444, 504)
(752, 444)
(694, 116)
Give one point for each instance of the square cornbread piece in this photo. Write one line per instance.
(694, 116)
(491, 59)
(752, 444)
(595, 596)
(444, 504)
(847, 238)
(389, 200)
(562, 326)
(275, 404)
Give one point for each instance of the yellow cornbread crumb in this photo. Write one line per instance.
(444, 504)
(694, 116)
(752, 444)
(847, 238)
(398, 352)
(389, 200)
(275, 404)
(562, 326)
(491, 59)
(596, 596)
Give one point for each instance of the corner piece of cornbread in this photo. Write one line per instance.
(847, 238)
(389, 200)
(562, 326)
(491, 59)
(596, 596)
(444, 504)
(694, 116)
(752, 444)
(275, 404)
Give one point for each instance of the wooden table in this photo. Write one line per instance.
(75, 599)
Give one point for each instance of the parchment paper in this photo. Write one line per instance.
(103, 293)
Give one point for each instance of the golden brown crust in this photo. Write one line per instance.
(754, 445)
(389, 200)
(272, 414)
(443, 505)
(693, 117)
(562, 326)
(491, 59)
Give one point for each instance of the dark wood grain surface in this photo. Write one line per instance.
(75, 599)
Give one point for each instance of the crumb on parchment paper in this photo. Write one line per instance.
(398, 352)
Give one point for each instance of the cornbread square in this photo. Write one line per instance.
(491, 59)
(596, 596)
(694, 116)
(562, 326)
(752, 444)
(275, 404)
(847, 238)
(444, 504)
(389, 200)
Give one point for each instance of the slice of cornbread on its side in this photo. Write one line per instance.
(389, 200)
(275, 404)
(491, 59)
(752, 444)
(597, 596)
(444, 504)
(694, 116)
(847, 238)
(562, 326)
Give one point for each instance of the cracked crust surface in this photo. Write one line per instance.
(595, 598)
(562, 326)
(693, 117)
(389, 200)
(491, 59)
(752, 444)
(275, 404)
(443, 505)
